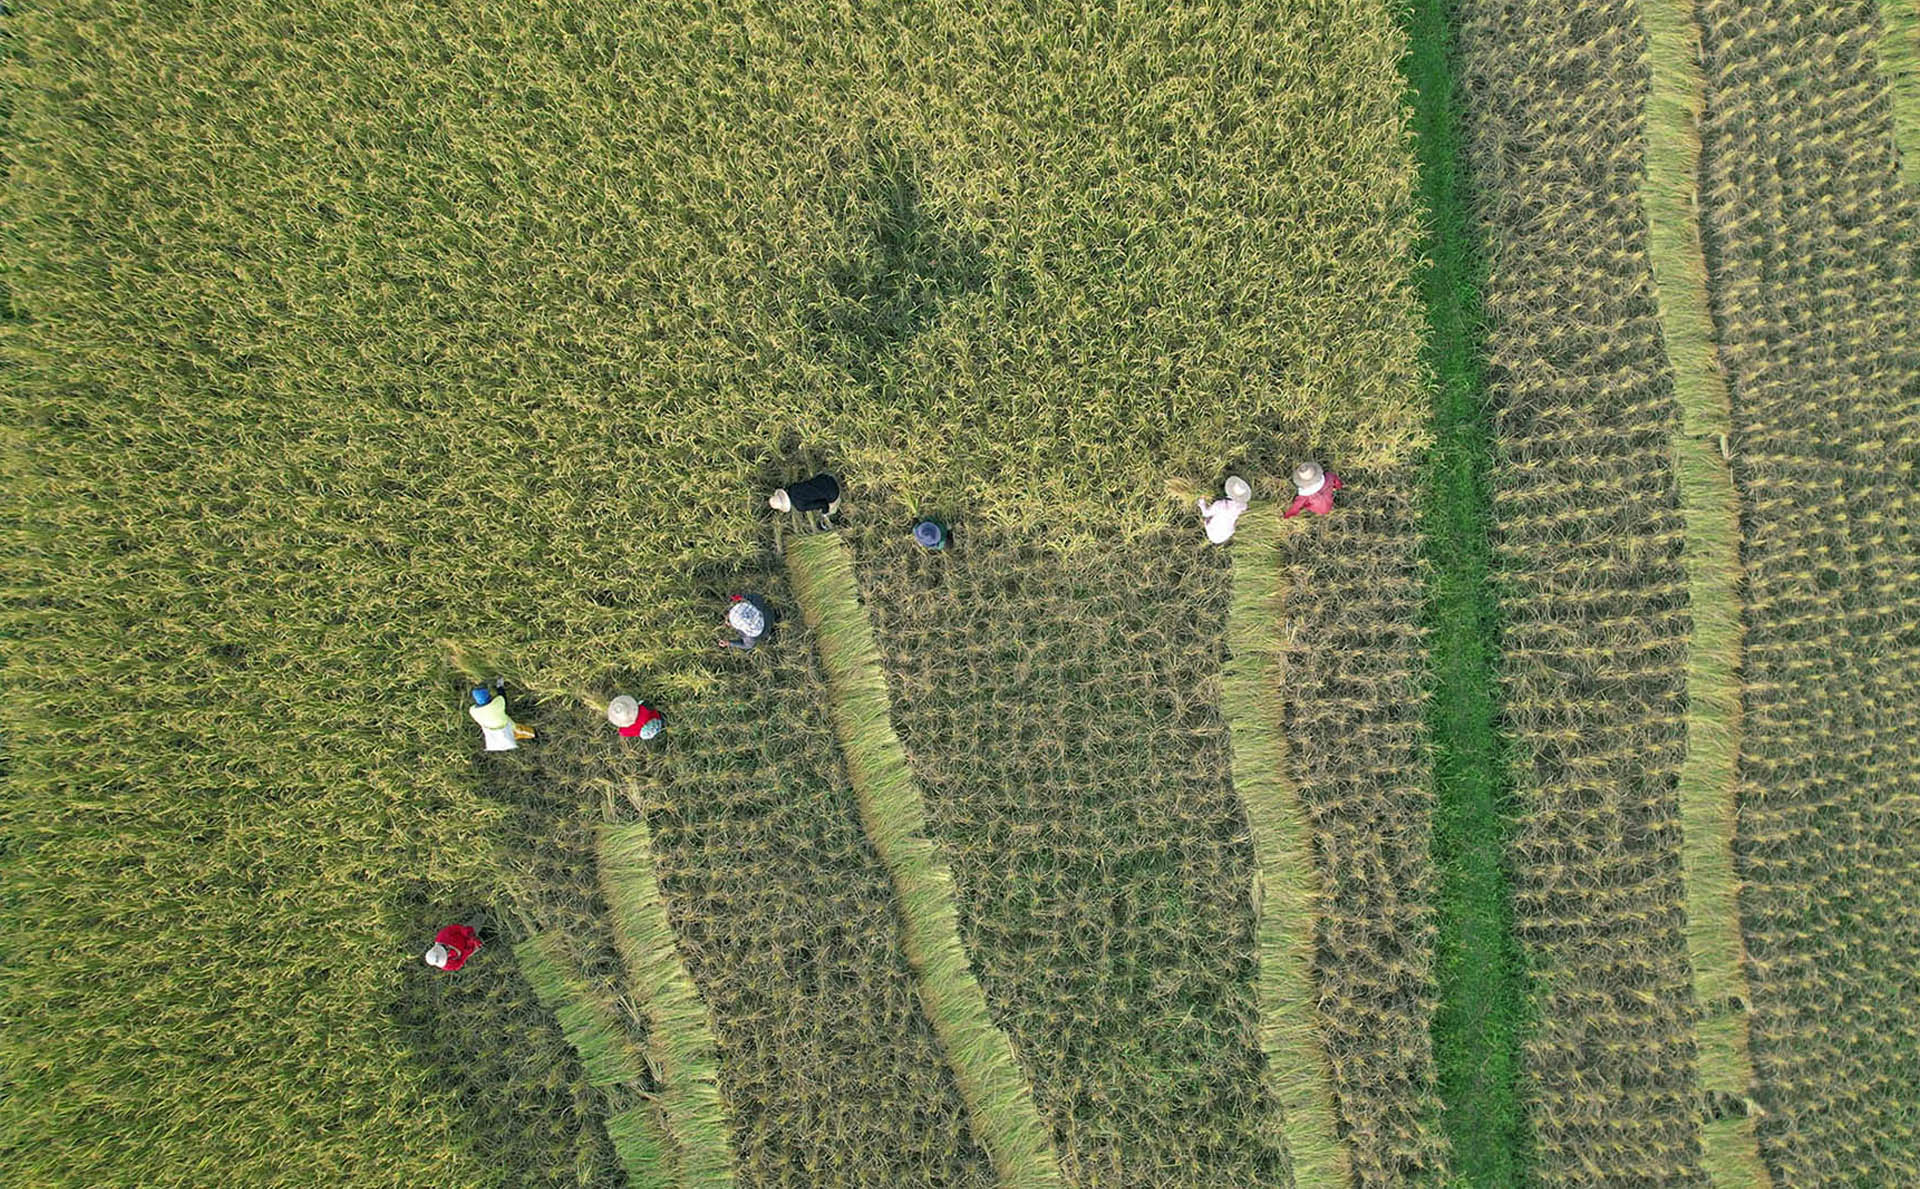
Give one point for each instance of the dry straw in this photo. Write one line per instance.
(591, 1027)
(1900, 59)
(680, 1035)
(989, 1076)
(1709, 776)
(1286, 884)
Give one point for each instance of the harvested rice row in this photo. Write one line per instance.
(1594, 655)
(991, 1080)
(1709, 782)
(1286, 883)
(1809, 237)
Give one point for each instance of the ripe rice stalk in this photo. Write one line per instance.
(680, 1035)
(1899, 52)
(1286, 886)
(1709, 777)
(997, 1091)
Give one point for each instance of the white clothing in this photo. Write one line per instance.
(1221, 516)
(500, 738)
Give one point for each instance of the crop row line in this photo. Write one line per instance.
(1285, 883)
(1709, 774)
(680, 1036)
(998, 1095)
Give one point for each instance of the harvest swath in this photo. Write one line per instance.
(1588, 540)
(1811, 274)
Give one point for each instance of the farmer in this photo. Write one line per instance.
(1316, 488)
(489, 709)
(1221, 515)
(635, 718)
(819, 494)
(750, 617)
(452, 946)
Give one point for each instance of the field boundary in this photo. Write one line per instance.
(1709, 774)
(1899, 53)
(1482, 1007)
(999, 1098)
(1286, 885)
(680, 1036)
(590, 1026)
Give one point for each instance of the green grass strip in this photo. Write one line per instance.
(1005, 1119)
(1286, 886)
(680, 1036)
(1900, 62)
(1482, 1007)
(1709, 777)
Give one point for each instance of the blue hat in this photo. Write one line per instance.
(929, 534)
(482, 695)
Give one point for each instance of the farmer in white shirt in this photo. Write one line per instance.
(489, 709)
(1221, 515)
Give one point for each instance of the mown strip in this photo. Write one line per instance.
(1285, 882)
(996, 1091)
(1900, 60)
(591, 1028)
(1480, 1015)
(1709, 776)
(680, 1036)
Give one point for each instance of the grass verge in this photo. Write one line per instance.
(596, 1035)
(998, 1097)
(1900, 58)
(680, 1036)
(1476, 1028)
(1709, 776)
(1285, 883)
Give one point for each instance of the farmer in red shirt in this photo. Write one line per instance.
(635, 718)
(451, 948)
(1316, 488)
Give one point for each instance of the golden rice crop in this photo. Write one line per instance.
(346, 330)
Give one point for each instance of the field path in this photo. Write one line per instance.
(1709, 776)
(996, 1091)
(1286, 884)
(680, 1036)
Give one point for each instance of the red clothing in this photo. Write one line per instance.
(647, 715)
(1319, 503)
(461, 942)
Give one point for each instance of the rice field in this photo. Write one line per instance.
(1542, 815)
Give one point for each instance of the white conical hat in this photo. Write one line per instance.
(623, 711)
(1308, 478)
(746, 618)
(780, 501)
(436, 956)
(1239, 489)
